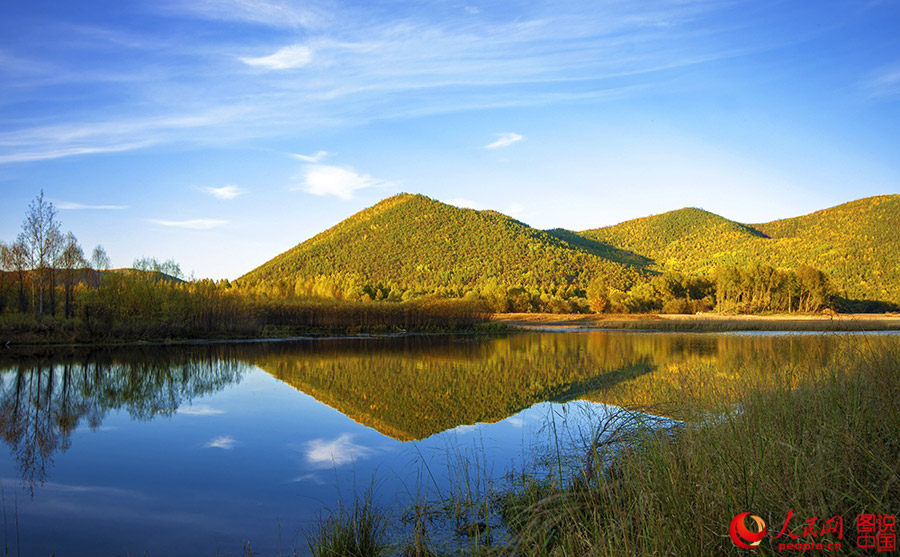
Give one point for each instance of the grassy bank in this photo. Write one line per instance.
(241, 318)
(711, 322)
(823, 447)
(829, 448)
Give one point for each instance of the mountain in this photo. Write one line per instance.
(855, 244)
(688, 240)
(410, 243)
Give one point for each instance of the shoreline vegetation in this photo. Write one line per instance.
(51, 293)
(272, 322)
(812, 444)
(708, 322)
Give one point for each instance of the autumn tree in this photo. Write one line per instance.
(99, 263)
(71, 261)
(598, 294)
(41, 238)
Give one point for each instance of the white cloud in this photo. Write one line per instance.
(504, 140)
(294, 56)
(339, 181)
(73, 206)
(358, 67)
(225, 192)
(191, 224)
(516, 421)
(318, 157)
(200, 410)
(336, 452)
(222, 442)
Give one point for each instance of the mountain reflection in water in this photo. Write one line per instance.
(407, 389)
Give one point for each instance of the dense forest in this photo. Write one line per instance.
(684, 261)
(855, 245)
(409, 245)
(410, 262)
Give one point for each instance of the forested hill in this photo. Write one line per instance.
(856, 244)
(687, 240)
(409, 244)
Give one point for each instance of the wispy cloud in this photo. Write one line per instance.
(336, 452)
(73, 206)
(318, 157)
(191, 224)
(504, 140)
(274, 13)
(225, 192)
(359, 67)
(885, 82)
(289, 57)
(222, 442)
(339, 181)
(52, 150)
(109, 136)
(200, 410)
(311, 477)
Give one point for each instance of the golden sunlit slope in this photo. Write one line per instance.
(419, 244)
(687, 240)
(856, 244)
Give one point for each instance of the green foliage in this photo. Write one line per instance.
(855, 244)
(410, 245)
(359, 531)
(820, 448)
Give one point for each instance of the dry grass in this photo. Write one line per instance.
(712, 322)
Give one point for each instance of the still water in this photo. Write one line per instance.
(195, 450)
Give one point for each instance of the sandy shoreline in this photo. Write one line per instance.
(700, 322)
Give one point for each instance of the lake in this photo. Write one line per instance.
(197, 449)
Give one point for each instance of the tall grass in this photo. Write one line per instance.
(182, 314)
(358, 531)
(827, 448)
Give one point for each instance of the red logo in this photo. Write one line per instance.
(742, 536)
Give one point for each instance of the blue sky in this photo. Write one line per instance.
(222, 132)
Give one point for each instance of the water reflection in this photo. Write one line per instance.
(42, 402)
(405, 388)
(188, 450)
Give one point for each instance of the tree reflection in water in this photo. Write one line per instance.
(43, 401)
(408, 387)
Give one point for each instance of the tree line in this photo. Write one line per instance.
(44, 263)
(45, 277)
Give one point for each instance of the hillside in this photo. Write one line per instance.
(687, 240)
(410, 245)
(413, 244)
(855, 244)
